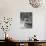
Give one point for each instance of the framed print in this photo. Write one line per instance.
(26, 19)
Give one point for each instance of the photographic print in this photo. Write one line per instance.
(26, 19)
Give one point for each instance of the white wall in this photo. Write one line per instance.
(12, 8)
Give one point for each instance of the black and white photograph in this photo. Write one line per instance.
(26, 19)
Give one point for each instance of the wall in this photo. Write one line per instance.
(12, 8)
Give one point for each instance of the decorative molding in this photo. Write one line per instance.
(35, 3)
